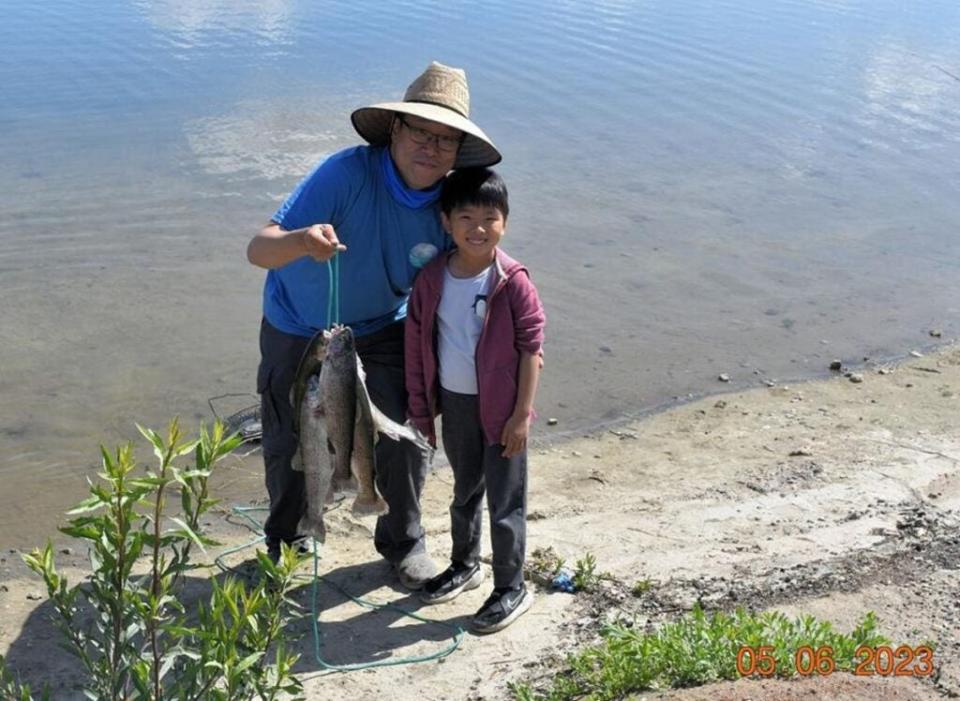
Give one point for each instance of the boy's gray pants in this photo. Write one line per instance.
(401, 469)
(478, 467)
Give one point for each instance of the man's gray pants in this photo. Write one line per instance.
(401, 469)
(478, 468)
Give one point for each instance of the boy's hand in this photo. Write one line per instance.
(514, 436)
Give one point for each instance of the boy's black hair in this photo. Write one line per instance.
(474, 186)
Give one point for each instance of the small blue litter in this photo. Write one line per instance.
(562, 581)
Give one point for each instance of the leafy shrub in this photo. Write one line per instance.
(127, 623)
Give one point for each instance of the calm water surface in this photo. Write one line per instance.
(751, 187)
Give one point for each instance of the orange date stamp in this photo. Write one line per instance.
(882, 660)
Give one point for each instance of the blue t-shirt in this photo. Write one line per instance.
(386, 242)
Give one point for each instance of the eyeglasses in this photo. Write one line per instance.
(423, 137)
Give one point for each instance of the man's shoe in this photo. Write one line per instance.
(300, 547)
(415, 570)
(450, 583)
(502, 608)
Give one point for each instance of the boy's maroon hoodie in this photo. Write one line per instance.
(513, 325)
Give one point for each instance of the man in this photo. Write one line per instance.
(376, 208)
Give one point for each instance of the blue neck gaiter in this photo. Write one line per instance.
(408, 197)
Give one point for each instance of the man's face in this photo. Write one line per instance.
(422, 151)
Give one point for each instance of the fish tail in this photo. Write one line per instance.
(369, 504)
(331, 496)
(313, 527)
(348, 484)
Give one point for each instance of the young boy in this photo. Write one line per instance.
(473, 340)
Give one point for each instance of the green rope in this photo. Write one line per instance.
(333, 317)
(333, 296)
(253, 525)
(317, 637)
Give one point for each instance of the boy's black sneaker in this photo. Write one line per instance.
(450, 583)
(502, 608)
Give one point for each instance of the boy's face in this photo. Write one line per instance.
(476, 230)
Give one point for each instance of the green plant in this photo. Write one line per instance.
(521, 691)
(128, 623)
(694, 650)
(641, 587)
(585, 575)
(544, 564)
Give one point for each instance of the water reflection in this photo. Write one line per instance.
(699, 187)
(270, 20)
(265, 141)
(907, 91)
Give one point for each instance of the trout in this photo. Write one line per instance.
(354, 423)
(351, 425)
(312, 454)
(313, 460)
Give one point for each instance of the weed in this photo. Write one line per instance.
(585, 575)
(543, 564)
(697, 649)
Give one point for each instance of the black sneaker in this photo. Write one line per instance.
(502, 608)
(450, 583)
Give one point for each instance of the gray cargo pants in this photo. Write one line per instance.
(478, 468)
(401, 470)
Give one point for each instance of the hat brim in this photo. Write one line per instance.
(373, 124)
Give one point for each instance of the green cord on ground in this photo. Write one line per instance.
(458, 632)
(333, 317)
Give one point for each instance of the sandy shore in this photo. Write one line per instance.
(831, 497)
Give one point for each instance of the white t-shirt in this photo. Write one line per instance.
(460, 316)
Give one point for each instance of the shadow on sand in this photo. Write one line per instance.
(350, 633)
(371, 631)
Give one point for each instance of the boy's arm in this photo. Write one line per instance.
(418, 411)
(528, 316)
(517, 428)
(529, 321)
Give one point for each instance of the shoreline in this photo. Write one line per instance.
(549, 437)
(40, 510)
(804, 497)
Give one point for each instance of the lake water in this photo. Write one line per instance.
(751, 187)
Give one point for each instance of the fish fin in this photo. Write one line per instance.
(384, 424)
(407, 431)
(364, 504)
(296, 463)
(361, 373)
(348, 484)
(313, 527)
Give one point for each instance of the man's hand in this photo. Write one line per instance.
(320, 242)
(274, 247)
(514, 436)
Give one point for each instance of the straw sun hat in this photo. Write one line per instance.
(441, 95)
